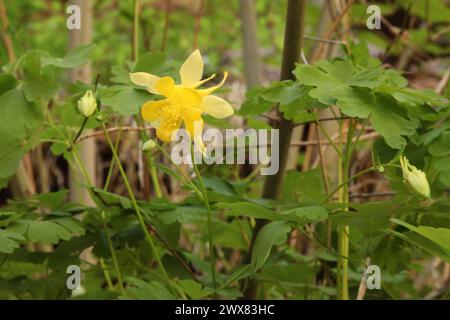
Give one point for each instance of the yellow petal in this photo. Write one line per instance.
(193, 123)
(146, 80)
(217, 107)
(195, 126)
(205, 92)
(151, 110)
(199, 83)
(165, 86)
(192, 69)
(166, 128)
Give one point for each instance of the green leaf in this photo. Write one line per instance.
(305, 187)
(37, 82)
(74, 58)
(194, 289)
(124, 99)
(154, 63)
(274, 233)
(143, 290)
(386, 115)
(8, 241)
(305, 215)
(254, 104)
(7, 82)
(48, 231)
(440, 236)
(110, 199)
(18, 122)
(248, 209)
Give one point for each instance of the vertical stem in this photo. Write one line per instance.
(113, 254)
(293, 46)
(343, 234)
(136, 207)
(144, 137)
(166, 26)
(110, 246)
(135, 47)
(209, 219)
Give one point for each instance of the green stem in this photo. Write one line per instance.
(106, 273)
(111, 247)
(136, 208)
(111, 164)
(342, 185)
(150, 159)
(144, 137)
(137, 9)
(188, 181)
(343, 232)
(83, 124)
(209, 219)
(113, 254)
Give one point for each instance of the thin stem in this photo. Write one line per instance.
(137, 8)
(80, 131)
(111, 248)
(111, 164)
(166, 26)
(136, 208)
(106, 274)
(150, 159)
(113, 254)
(343, 233)
(330, 140)
(208, 216)
(188, 181)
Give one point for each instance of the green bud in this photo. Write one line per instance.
(415, 178)
(87, 104)
(149, 145)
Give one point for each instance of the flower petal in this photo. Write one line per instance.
(199, 83)
(195, 126)
(151, 110)
(166, 128)
(146, 80)
(205, 92)
(165, 86)
(217, 107)
(192, 69)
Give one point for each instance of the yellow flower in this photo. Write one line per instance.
(183, 103)
(415, 178)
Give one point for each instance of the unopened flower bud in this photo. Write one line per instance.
(87, 104)
(415, 178)
(149, 145)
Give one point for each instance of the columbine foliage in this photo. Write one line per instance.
(411, 122)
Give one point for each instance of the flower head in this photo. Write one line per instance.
(87, 104)
(184, 103)
(415, 178)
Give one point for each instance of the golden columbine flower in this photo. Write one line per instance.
(183, 103)
(87, 104)
(415, 178)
